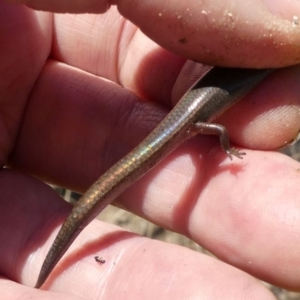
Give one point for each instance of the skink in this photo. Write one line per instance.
(207, 99)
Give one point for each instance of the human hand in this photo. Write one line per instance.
(63, 121)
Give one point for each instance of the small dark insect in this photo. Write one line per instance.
(99, 260)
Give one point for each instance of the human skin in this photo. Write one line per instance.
(80, 91)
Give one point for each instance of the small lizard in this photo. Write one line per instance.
(207, 99)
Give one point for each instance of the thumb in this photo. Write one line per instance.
(228, 33)
(257, 33)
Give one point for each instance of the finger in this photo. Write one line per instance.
(228, 33)
(125, 55)
(268, 110)
(254, 226)
(268, 118)
(81, 144)
(245, 212)
(136, 63)
(25, 39)
(185, 273)
(12, 290)
(81, 138)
